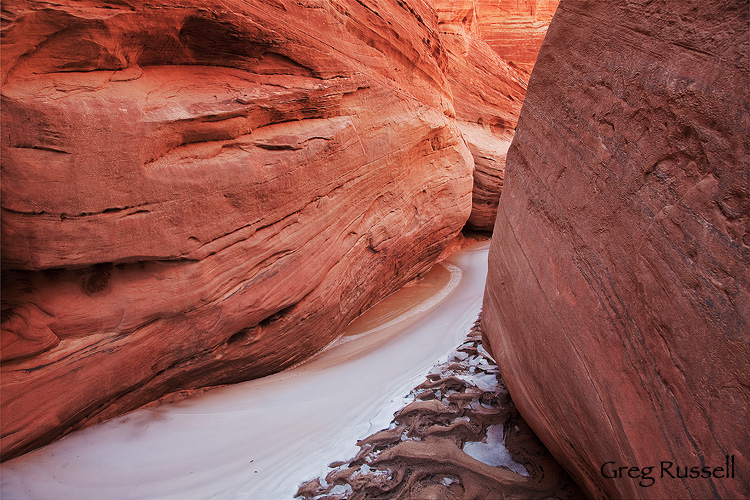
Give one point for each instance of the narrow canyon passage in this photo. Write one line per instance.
(260, 439)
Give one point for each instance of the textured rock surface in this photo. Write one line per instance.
(515, 29)
(197, 194)
(488, 94)
(450, 443)
(618, 296)
(486, 89)
(489, 153)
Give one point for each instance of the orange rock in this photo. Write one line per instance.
(195, 195)
(489, 152)
(618, 295)
(488, 87)
(515, 29)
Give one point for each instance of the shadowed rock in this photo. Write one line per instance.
(618, 295)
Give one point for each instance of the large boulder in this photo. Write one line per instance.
(196, 194)
(618, 296)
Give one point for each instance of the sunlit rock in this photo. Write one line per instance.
(488, 86)
(196, 194)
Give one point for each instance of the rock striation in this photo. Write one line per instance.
(515, 29)
(488, 151)
(486, 89)
(487, 93)
(197, 194)
(618, 295)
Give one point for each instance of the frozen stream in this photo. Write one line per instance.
(259, 440)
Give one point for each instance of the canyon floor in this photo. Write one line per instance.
(460, 437)
(263, 438)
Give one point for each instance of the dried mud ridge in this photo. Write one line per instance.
(422, 453)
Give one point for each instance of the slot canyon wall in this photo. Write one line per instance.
(198, 193)
(618, 295)
(195, 195)
(515, 29)
(489, 83)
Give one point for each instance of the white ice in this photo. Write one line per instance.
(493, 452)
(485, 382)
(260, 439)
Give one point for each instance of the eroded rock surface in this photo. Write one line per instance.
(461, 439)
(486, 90)
(197, 194)
(489, 152)
(515, 29)
(488, 93)
(618, 302)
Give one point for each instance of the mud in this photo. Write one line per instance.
(461, 438)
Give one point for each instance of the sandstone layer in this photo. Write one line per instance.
(618, 295)
(196, 194)
(515, 29)
(489, 152)
(486, 89)
(487, 94)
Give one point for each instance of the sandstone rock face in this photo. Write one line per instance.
(488, 151)
(515, 29)
(487, 94)
(197, 194)
(618, 299)
(486, 89)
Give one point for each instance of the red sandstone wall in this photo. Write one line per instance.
(196, 194)
(515, 29)
(618, 298)
(488, 83)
